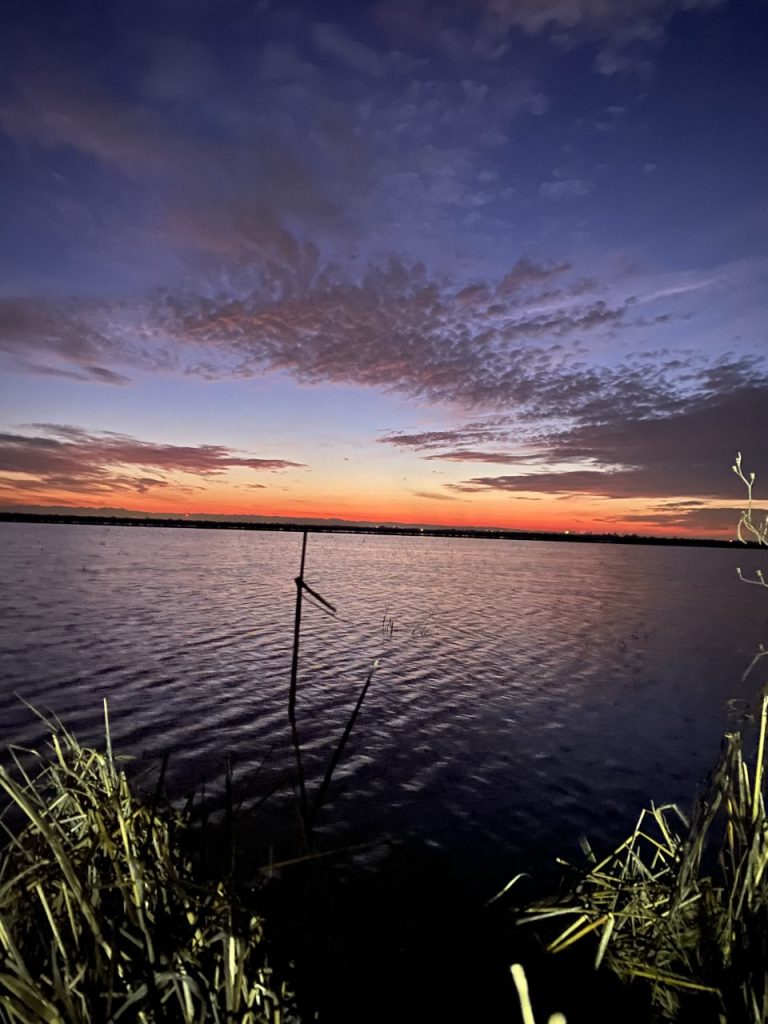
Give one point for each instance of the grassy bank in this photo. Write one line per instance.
(103, 914)
(680, 908)
(110, 911)
(117, 906)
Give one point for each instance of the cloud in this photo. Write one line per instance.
(687, 453)
(62, 457)
(271, 142)
(688, 518)
(397, 328)
(390, 325)
(565, 188)
(526, 272)
(280, 62)
(566, 482)
(330, 39)
(502, 458)
(436, 496)
(38, 335)
(611, 61)
(626, 31)
(631, 17)
(106, 376)
(678, 442)
(471, 433)
(59, 109)
(526, 345)
(184, 192)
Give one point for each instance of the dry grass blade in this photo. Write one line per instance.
(101, 918)
(685, 906)
(523, 995)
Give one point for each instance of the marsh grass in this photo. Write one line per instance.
(116, 906)
(102, 915)
(683, 906)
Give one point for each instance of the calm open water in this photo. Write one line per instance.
(525, 692)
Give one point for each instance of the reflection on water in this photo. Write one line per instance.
(526, 692)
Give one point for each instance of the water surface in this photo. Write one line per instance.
(526, 692)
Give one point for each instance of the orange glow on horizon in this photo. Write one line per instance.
(580, 514)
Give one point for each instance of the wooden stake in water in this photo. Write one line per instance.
(292, 693)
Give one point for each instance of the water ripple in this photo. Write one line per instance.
(525, 692)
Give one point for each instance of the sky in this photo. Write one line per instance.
(475, 263)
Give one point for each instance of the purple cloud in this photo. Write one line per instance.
(395, 327)
(66, 457)
(470, 455)
(658, 456)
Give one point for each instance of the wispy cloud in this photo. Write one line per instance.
(65, 339)
(565, 188)
(436, 495)
(470, 433)
(502, 458)
(627, 33)
(61, 457)
(332, 40)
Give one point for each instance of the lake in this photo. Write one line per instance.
(525, 692)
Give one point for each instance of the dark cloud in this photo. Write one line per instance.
(687, 518)
(471, 433)
(101, 373)
(681, 449)
(69, 458)
(436, 495)
(688, 453)
(605, 483)
(502, 458)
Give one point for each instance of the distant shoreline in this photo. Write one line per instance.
(474, 533)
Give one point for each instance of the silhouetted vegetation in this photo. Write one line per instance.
(383, 530)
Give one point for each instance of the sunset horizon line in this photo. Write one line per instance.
(23, 512)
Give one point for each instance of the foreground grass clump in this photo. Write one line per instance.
(683, 907)
(102, 917)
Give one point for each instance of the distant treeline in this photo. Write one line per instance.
(388, 530)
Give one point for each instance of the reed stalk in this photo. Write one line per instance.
(683, 907)
(102, 917)
(308, 812)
